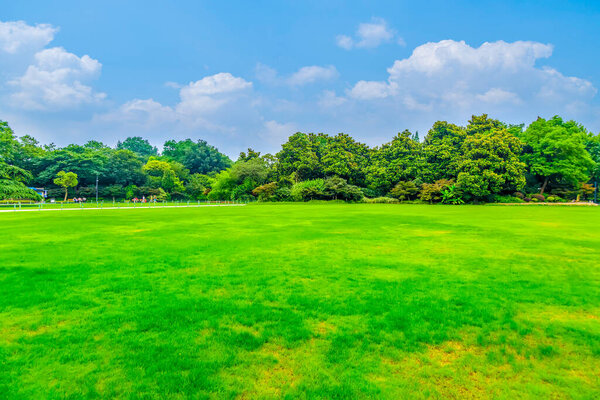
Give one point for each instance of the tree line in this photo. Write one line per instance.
(484, 161)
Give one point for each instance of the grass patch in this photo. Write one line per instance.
(301, 300)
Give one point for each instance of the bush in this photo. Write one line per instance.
(337, 188)
(308, 190)
(404, 190)
(535, 200)
(13, 190)
(555, 199)
(508, 199)
(538, 197)
(519, 195)
(265, 192)
(381, 200)
(452, 195)
(432, 192)
(527, 199)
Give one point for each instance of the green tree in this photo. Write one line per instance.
(346, 158)
(139, 146)
(555, 152)
(398, 160)
(301, 155)
(198, 157)
(441, 152)
(251, 155)
(66, 180)
(490, 163)
(124, 168)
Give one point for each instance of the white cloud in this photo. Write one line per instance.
(17, 36)
(451, 74)
(197, 100)
(369, 35)
(210, 93)
(344, 41)
(367, 90)
(55, 81)
(222, 82)
(311, 74)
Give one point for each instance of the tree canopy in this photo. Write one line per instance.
(485, 160)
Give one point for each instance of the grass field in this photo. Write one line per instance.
(303, 301)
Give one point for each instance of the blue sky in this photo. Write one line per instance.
(242, 74)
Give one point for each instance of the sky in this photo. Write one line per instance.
(242, 74)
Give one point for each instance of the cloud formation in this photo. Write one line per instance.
(54, 81)
(17, 36)
(453, 74)
(39, 78)
(369, 35)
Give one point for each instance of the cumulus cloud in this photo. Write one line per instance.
(55, 81)
(197, 100)
(453, 74)
(17, 36)
(210, 93)
(311, 74)
(369, 35)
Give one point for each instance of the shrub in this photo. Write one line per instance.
(382, 200)
(404, 190)
(337, 188)
(14, 190)
(508, 199)
(432, 192)
(519, 195)
(539, 197)
(451, 195)
(555, 199)
(535, 200)
(265, 192)
(308, 190)
(527, 199)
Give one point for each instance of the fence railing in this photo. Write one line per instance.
(20, 206)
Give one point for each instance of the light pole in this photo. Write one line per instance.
(96, 188)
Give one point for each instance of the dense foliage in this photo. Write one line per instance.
(487, 160)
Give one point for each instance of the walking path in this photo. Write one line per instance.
(119, 208)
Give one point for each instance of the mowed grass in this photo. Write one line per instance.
(301, 301)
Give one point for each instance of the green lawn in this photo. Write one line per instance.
(301, 300)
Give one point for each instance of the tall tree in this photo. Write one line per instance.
(346, 158)
(139, 146)
(301, 156)
(490, 163)
(398, 160)
(199, 157)
(555, 152)
(441, 151)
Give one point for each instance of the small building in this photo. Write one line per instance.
(41, 191)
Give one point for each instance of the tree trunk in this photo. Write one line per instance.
(66, 193)
(545, 184)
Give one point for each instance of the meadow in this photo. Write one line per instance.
(301, 301)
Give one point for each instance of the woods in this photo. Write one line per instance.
(485, 161)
